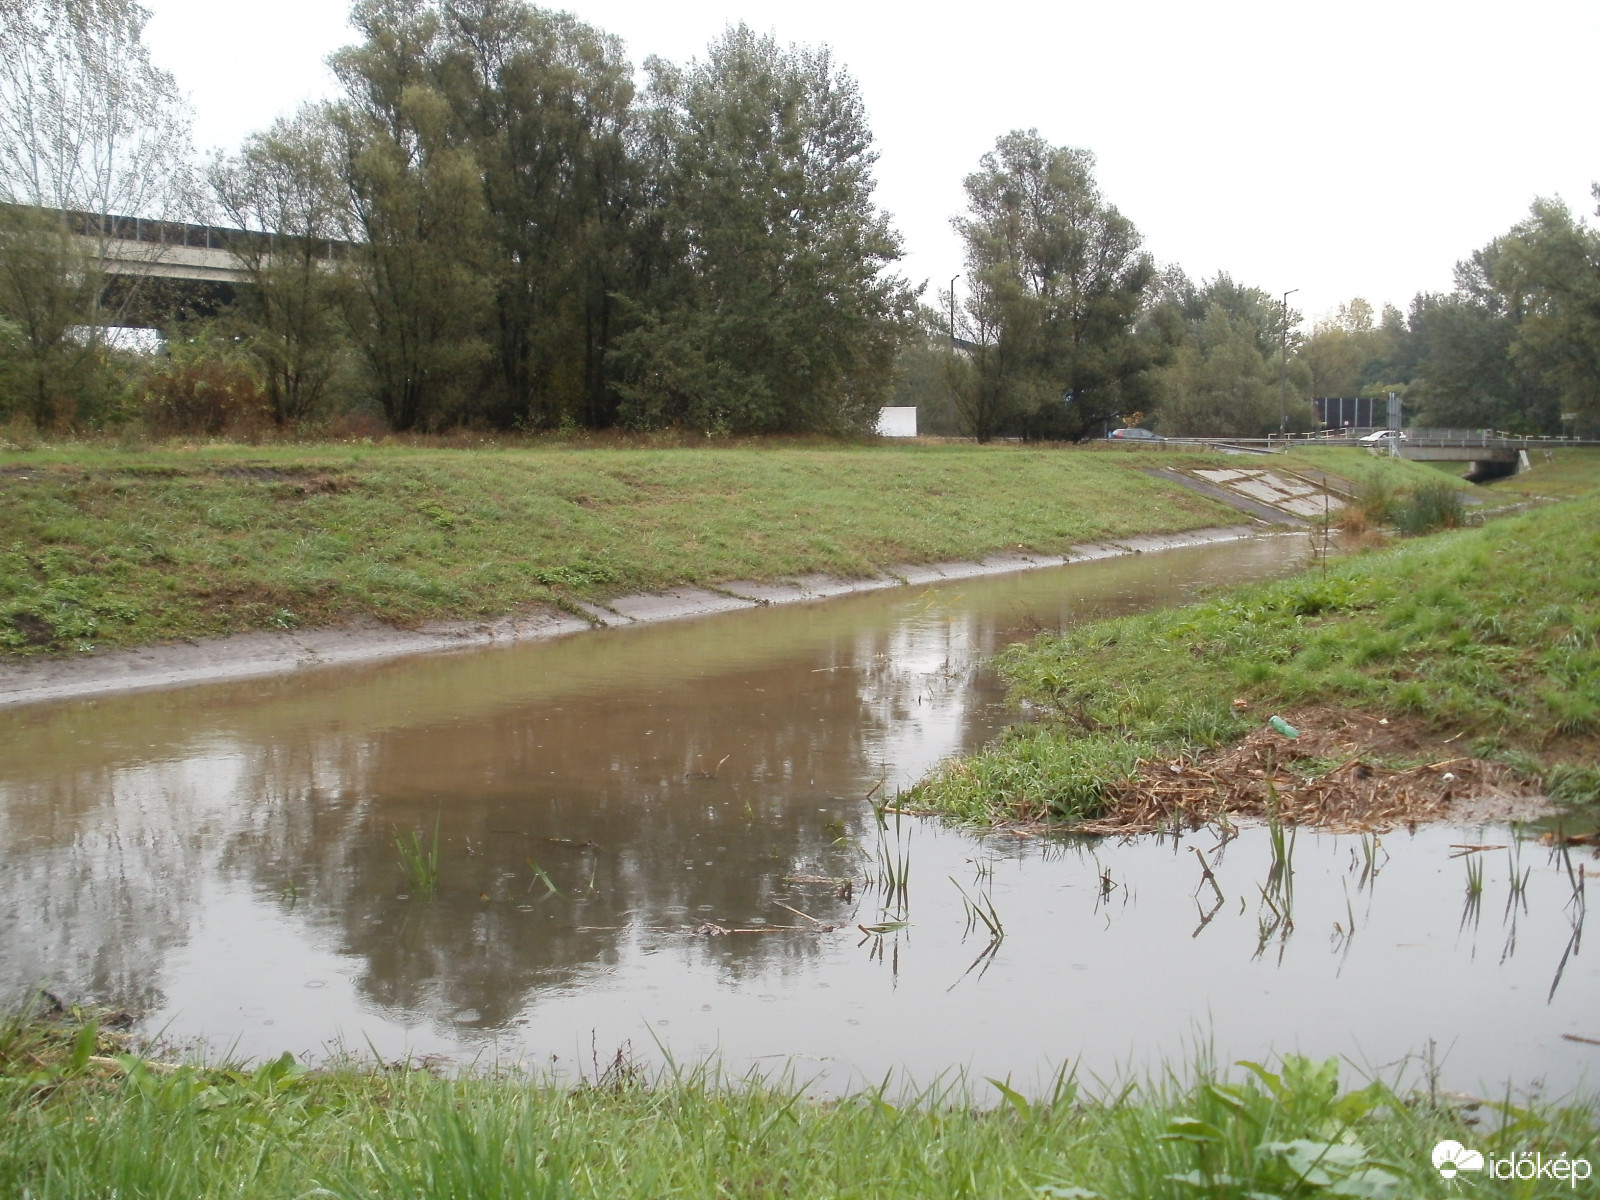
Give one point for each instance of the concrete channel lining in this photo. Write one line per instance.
(255, 655)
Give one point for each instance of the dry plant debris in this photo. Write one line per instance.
(1268, 774)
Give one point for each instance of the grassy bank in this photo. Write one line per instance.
(1566, 474)
(1490, 636)
(104, 547)
(78, 1120)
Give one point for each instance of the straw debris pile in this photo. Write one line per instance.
(1268, 773)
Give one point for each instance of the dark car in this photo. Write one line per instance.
(1134, 434)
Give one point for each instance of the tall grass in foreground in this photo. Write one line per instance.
(113, 1125)
(1493, 633)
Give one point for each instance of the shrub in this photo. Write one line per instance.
(207, 384)
(1429, 506)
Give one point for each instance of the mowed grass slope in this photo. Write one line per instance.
(1490, 635)
(1566, 474)
(105, 548)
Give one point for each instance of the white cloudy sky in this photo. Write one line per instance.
(1357, 147)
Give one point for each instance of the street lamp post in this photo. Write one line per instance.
(953, 279)
(1283, 377)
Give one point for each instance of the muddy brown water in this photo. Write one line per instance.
(221, 860)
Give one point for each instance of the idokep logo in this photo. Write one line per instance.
(1451, 1158)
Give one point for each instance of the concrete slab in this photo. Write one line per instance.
(1290, 486)
(1094, 551)
(820, 587)
(1311, 506)
(1258, 490)
(679, 602)
(254, 655)
(1254, 508)
(764, 593)
(602, 617)
(921, 574)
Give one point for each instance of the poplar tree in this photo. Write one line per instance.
(1057, 282)
(770, 307)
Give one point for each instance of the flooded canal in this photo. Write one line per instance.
(659, 839)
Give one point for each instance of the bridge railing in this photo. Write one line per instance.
(1437, 438)
(107, 227)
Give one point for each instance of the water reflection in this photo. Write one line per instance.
(223, 859)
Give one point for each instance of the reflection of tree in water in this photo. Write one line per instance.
(651, 813)
(122, 818)
(104, 870)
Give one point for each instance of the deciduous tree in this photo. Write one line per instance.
(285, 185)
(773, 308)
(417, 205)
(1057, 283)
(89, 127)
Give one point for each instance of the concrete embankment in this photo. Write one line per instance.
(249, 655)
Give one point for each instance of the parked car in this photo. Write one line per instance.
(1384, 436)
(1134, 434)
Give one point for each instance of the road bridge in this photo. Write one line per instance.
(198, 266)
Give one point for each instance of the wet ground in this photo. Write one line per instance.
(658, 838)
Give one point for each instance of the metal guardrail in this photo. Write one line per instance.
(1445, 439)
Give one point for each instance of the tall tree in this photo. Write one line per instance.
(771, 308)
(1219, 384)
(417, 204)
(545, 103)
(1485, 355)
(89, 128)
(285, 184)
(1057, 281)
(1549, 271)
(1224, 377)
(1347, 349)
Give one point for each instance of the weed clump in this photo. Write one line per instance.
(1573, 783)
(1413, 511)
(1429, 507)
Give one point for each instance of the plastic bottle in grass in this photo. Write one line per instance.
(1279, 725)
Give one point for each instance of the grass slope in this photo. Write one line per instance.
(1567, 473)
(102, 548)
(75, 1123)
(1491, 632)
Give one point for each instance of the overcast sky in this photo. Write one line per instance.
(1343, 149)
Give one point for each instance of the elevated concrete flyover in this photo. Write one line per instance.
(196, 267)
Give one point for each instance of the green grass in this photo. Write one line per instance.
(76, 1125)
(106, 547)
(1491, 632)
(419, 859)
(1360, 465)
(1569, 473)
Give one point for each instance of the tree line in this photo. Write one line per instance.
(1069, 326)
(531, 238)
(531, 235)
